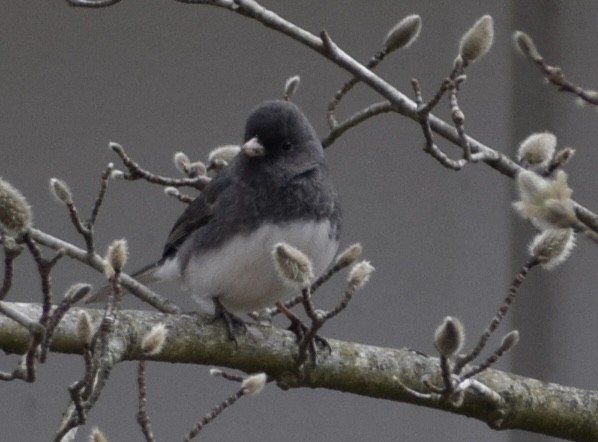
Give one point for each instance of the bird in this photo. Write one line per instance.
(276, 189)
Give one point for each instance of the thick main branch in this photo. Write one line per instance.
(526, 404)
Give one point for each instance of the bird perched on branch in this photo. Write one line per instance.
(277, 189)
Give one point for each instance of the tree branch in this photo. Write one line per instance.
(526, 404)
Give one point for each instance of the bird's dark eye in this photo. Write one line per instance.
(286, 145)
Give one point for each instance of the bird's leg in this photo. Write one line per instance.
(231, 321)
(299, 329)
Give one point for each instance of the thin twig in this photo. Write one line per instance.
(498, 317)
(137, 172)
(11, 251)
(359, 117)
(213, 414)
(142, 416)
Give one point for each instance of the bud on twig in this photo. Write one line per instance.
(254, 384)
(153, 341)
(15, 213)
(291, 86)
(222, 155)
(97, 436)
(545, 202)
(76, 292)
(196, 169)
(360, 274)
(449, 337)
(403, 34)
(84, 331)
(563, 156)
(536, 151)
(526, 46)
(116, 256)
(509, 341)
(476, 42)
(292, 264)
(117, 174)
(181, 162)
(61, 191)
(552, 247)
(349, 255)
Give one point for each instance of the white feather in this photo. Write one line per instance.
(241, 272)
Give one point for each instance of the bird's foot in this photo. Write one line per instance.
(231, 321)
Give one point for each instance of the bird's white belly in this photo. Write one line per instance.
(241, 272)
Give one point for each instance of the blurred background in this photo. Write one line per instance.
(160, 77)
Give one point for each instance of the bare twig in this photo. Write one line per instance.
(137, 172)
(359, 117)
(142, 416)
(498, 317)
(11, 251)
(96, 262)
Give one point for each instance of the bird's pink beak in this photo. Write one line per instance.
(253, 148)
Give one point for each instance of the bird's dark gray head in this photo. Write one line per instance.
(281, 129)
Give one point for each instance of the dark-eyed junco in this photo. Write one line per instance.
(277, 189)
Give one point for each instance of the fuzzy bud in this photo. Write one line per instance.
(509, 340)
(153, 341)
(61, 191)
(219, 157)
(403, 34)
(77, 292)
(552, 247)
(181, 162)
(536, 151)
(292, 264)
(449, 337)
(291, 86)
(196, 169)
(526, 46)
(349, 255)
(476, 42)
(254, 384)
(360, 274)
(84, 330)
(171, 191)
(117, 174)
(97, 436)
(15, 213)
(117, 254)
(545, 202)
(563, 156)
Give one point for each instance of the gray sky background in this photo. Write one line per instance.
(160, 77)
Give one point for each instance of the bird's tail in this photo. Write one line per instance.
(146, 275)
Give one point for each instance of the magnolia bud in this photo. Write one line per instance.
(360, 274)
(476, 42)
(97, 436)
(349, 255)
(84, 330)
(536, 151)
(509, 340)
(254, 384)
(291, 86)
(117, 254)
(292, 264)
(15, 213)
(526, 46)
(153, 341)
(449, 337)
(404, 33)
(61, 191)
(181, 162)
(552, 247)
